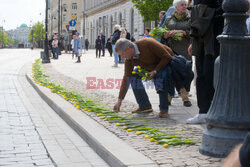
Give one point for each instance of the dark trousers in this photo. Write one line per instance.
(103, 50)
(86, 47)
(161, 86)
(204, 82)
(55, 53)
(110, 51)
(98, 50)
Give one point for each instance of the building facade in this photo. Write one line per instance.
(69, 9)
(102, 15)
(20, 34)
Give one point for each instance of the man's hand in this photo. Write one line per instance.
(190, 50)
(152, 74)
(117, 105)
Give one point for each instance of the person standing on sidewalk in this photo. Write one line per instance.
(72, 45)
(207, 23)
(55, 47)
(103, 43)
(179, 22)
(78, 47)
(115, 37)
(86, 44)
(98, 46)
(109, 46)
(152, 56)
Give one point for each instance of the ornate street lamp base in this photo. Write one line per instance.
(218, 142)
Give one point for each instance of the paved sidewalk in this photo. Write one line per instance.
(31, 133)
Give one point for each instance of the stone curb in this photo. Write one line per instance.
(109, 147)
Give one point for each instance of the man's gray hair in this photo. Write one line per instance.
(122, 44)
(176, 2)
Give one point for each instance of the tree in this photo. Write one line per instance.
(150, 9)
(4, 38)
(37, 32)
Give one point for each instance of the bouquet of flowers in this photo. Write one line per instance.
(144, 74)
(158, 32)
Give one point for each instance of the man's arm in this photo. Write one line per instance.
(124, 87)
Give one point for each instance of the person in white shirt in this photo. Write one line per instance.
(72, 46)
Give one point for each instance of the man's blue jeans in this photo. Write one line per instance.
(160, 83)
(115, 54)
(103, 50)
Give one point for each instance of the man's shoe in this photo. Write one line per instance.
(187, 103)
(78, 61)
(143, 110)
(115, 65)
(198, 119)
(163, 114)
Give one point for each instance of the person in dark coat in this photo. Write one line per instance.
(86, 44)
(98, 46)
(109, 46)
(103, 43)
(205, 47)
(128, 36)
(50, 43)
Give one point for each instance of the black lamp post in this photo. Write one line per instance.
(45, 57)
(229, 115)
(59, 18)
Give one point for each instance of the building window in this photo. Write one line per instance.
(74, 6)
(64, 17)
(64, 7)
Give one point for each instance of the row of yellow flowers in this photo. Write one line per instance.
(82, 104)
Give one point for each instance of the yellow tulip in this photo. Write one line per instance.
(138, 133)
(99, 114)
(139, 67)
(165, 145)
(78, 107)
(117, 124)
(130, 130)
(139, 70)
(105, 119)
(146, 137)
(89, 111)
(125, 127)
(152, 139)
(133, 72)
(157, 142)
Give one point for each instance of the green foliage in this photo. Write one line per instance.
(37, 31)
(158, 32)
(150, 9)
(4, 39)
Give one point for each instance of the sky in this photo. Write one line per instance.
(14, 13)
